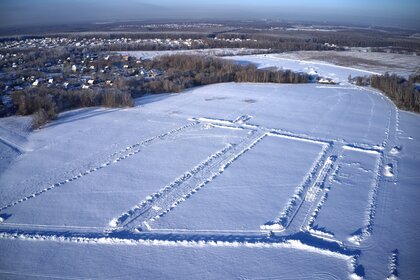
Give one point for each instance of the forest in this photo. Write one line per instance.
(404, 92)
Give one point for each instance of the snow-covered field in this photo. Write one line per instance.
(361, 58)
(227, 181)
(213, 52)
(337, 73)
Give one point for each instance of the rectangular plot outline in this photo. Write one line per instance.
(367, 224)
(285, 209)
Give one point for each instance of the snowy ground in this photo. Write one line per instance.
(214, 52)
(248, 181)
(285, 61)
(401, 64)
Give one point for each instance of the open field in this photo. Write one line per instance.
(400, 64)
(249, 181)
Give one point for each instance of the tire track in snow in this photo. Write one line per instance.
(316, 187)
(15, 147)
(393, 265)
(313, 211)
(294, 206)
(160, 203)
(373, 197)
(112, 159)
(308, 222)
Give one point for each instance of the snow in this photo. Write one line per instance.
(338, 74)
(214, 52)
(179, 262)
(362, 58)
(136, 179)
(222, 181)
(349, 194)
(262, 169)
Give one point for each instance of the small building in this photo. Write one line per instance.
(153, 73)
(326, 81)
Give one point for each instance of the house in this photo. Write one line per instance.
(327, 81)
(91, 82)
(35, 83)
(74, 68)
(153, 73)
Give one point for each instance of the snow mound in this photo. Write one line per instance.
(389, 170)
(395, 150)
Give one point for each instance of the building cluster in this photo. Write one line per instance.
(235, 39)
(76, 71)
(54, 42)
(173, 25)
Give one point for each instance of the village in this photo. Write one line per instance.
(79, 70)
(99, 42)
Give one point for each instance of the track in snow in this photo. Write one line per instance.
(112, 159)
(182, 188)
(293, 226)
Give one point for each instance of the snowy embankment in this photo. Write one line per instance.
(223, 181)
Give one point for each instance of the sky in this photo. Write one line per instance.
(401, 13)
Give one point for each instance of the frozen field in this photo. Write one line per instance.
(401, 64)
(214, 52)
(228, 181)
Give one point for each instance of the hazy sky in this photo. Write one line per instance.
(377, 12)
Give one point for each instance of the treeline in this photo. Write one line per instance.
(272, 44)
(45, 103)
(405, 93)
(185, 71)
